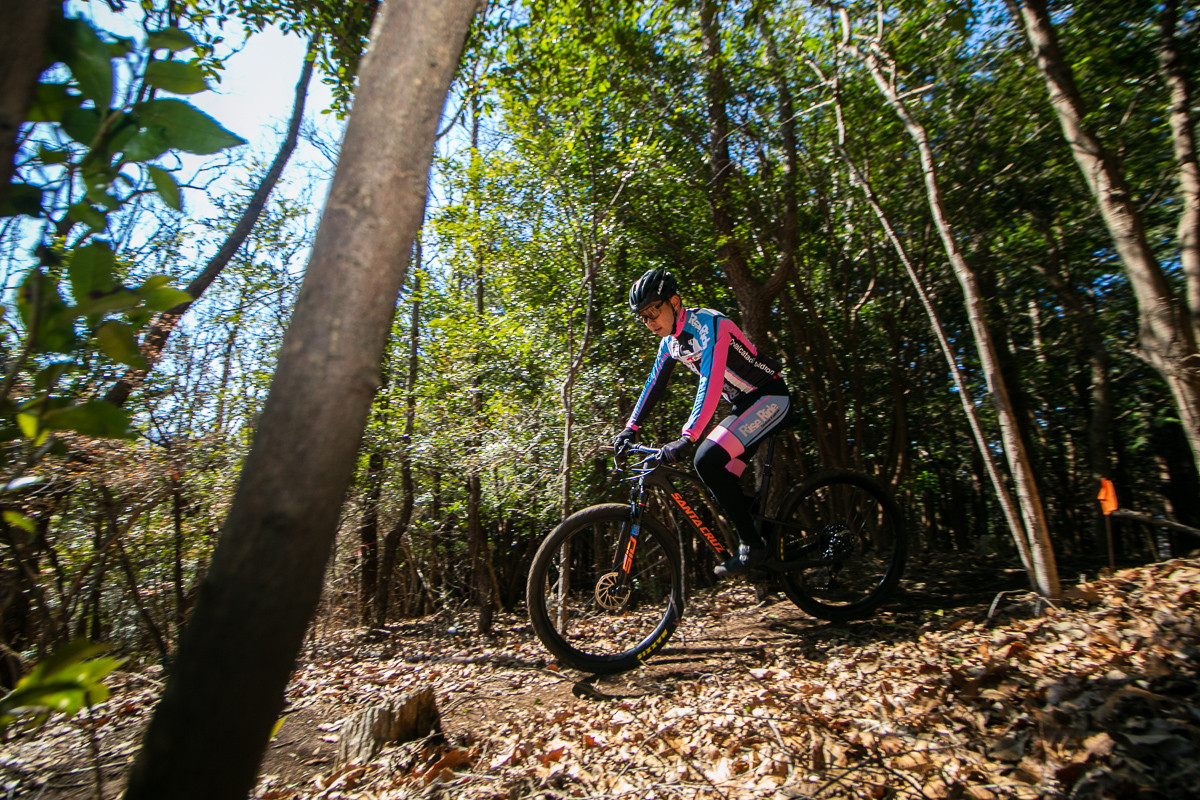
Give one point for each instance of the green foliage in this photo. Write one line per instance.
(97, 123)
(63, 683)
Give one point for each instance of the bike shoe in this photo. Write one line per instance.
(746, 560)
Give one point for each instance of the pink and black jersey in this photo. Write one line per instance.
(711, 345)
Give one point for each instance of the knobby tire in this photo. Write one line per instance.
(851, 533)
(573, 624)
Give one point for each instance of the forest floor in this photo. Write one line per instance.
(960, 688)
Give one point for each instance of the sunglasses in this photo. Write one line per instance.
(652, 311)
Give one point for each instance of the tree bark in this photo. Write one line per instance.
(160, 329)
(1183, 140)
(754, 297)
(368, 539)
(1031, 533)
(1165, 338)
(395, 535)
(226, 691)
(24, 30)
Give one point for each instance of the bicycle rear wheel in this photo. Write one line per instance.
(846, 537)
(577, 609)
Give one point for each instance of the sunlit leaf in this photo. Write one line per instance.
(166, 298)
(179, 77)
(186, 127)
(118, 341)
(20, 520)
(93, 418)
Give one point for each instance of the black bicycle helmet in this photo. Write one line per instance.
(655, 284)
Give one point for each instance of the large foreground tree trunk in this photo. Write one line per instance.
(1165, 338)
(226, 691)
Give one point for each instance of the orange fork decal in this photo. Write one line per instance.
(628, 564)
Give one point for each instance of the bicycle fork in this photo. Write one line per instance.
(614, 587)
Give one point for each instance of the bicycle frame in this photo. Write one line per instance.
(660, 476)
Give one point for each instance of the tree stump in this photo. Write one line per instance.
(401, 719)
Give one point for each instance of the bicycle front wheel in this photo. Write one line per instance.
(842, 540)
(594, 617)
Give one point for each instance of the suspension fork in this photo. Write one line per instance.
(627, 543)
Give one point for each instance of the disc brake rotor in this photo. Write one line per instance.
(609, 595)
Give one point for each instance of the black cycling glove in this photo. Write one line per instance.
(675, 451)
(624, 439)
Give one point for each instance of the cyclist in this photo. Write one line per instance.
(713, 347)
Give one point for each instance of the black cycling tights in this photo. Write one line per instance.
(723, 455)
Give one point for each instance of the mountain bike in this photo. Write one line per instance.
(606, 588)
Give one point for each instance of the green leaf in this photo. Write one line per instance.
(83, 212)
(93, 418)
(118, 342)
(170, 39)
(92, 270)
(82, 125)
(154, 282)
(65, 682)
(20, 520)
(186, 127)
(119, 300)
(168, 189)
(146, 145)
(38, 298)
(74, 43)
(51, 101)
(30, 424)
(22, 199)
(179, 77)
(48, 377)
(165, 299)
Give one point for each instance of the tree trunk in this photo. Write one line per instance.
(589, 278)
(395, 535)
(754, 298)
(368, 539)
(1183, 140)
(477, 540)
(24, 30)
(1166, 337)
(226, 691)
(160, 330)
(1034, 530)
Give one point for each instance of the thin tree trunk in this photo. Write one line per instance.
(1166, 336)
(160, 329)
(1034, 529)
(368, 539)
(226, 690)
(177, 520)
(576, 364)
(156, 634)
(477, 541)
(1183, 140)
(394, 537)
